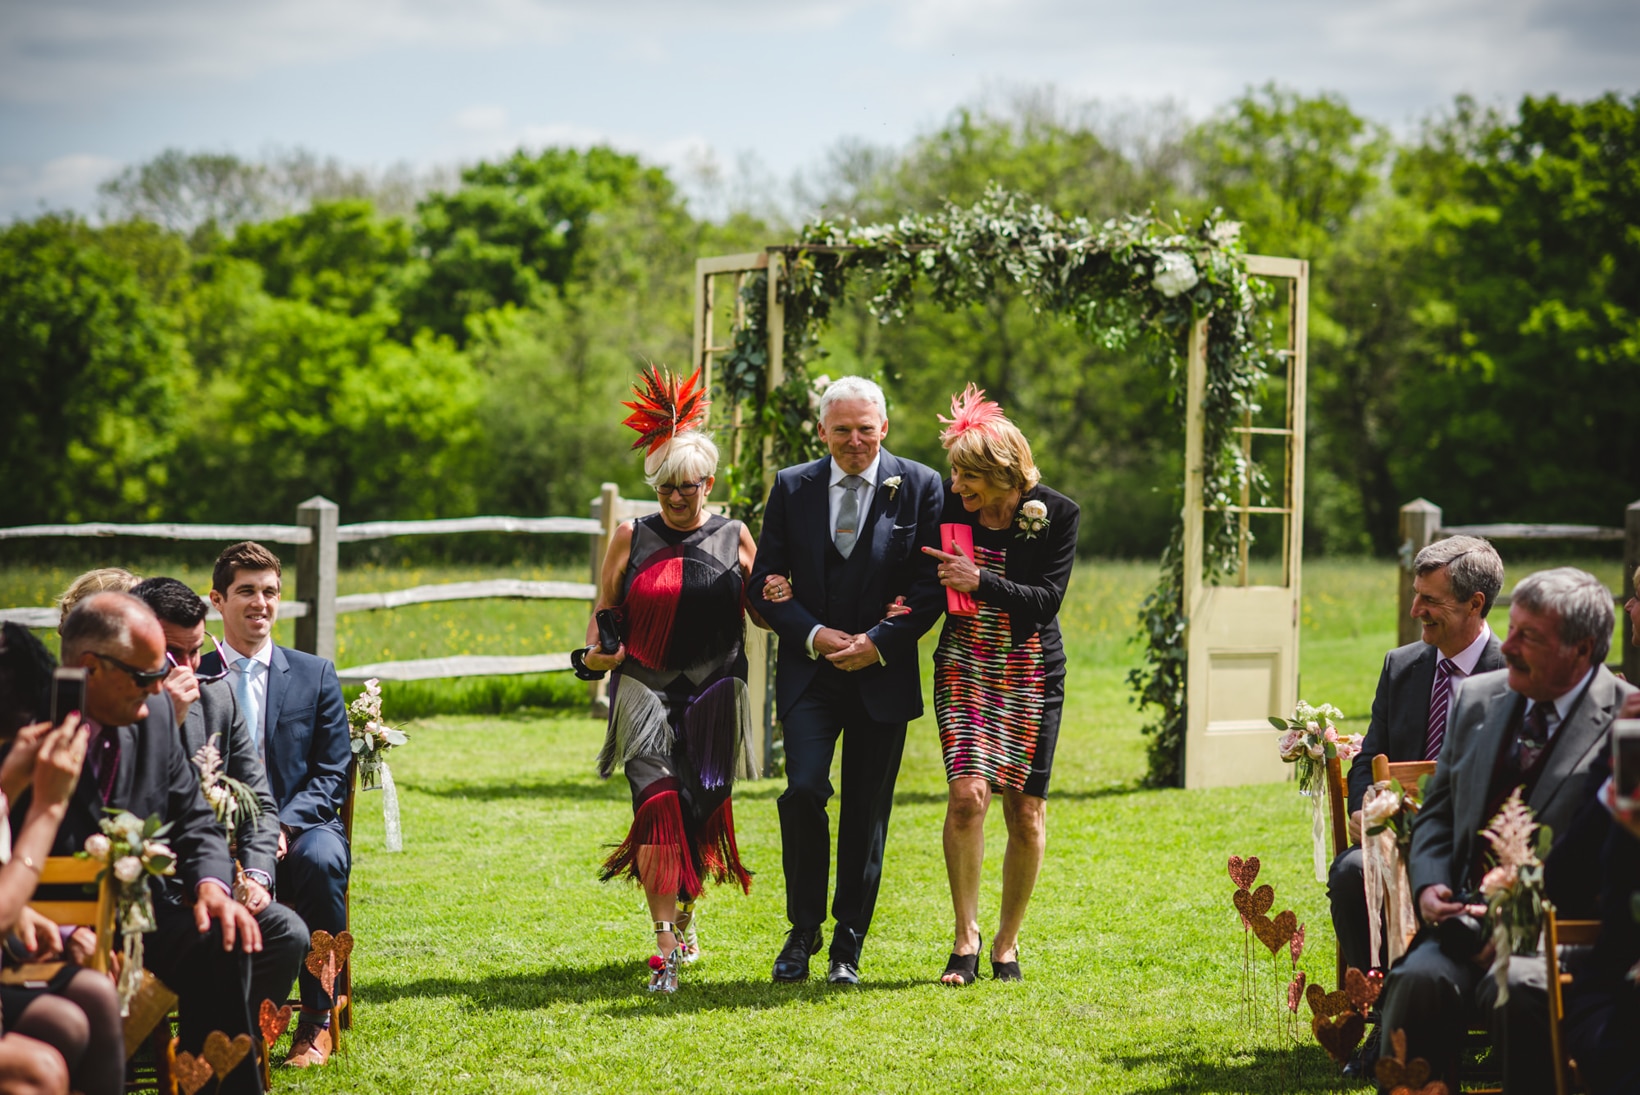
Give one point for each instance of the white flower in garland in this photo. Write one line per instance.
(1033, 518)
(1175, 273)
(1225, 233)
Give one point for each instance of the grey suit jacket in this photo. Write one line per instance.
(1446, 838)
(216, 718)
(1400, 708)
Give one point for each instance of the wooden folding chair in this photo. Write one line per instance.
(1559, 933)
(1405, 772)
(96, 911)
(1338, 802)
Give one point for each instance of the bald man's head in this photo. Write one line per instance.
(119, 642)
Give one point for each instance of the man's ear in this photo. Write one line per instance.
(216, 599)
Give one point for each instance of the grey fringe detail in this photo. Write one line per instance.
(637, 727)
(744, 749)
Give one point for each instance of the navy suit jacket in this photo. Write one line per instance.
(1400, 708)
(306, 748)
(794, 540)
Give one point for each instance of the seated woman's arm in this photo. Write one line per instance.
(56, 773)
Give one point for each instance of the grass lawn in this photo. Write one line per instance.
(490, 958)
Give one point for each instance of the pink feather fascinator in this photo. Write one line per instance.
(970, 411)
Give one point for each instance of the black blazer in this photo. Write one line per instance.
(215, 717)
(1446, 838)
(1400, 708)
(153, 777)
(1039, 568)
(899, 524)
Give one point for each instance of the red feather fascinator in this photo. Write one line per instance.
(970, 411)
(666, 406)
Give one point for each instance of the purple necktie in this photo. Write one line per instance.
(1534, 736)
(1439, 700)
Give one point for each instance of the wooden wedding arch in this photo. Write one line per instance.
(1242, 638)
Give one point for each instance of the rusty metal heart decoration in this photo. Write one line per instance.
(1243, 871)
(191, 1073)
(1297, 944)
(1339, 1034)
(1295, 992)
(1396, 1072)
(1278, 932)
(224, 1055)
(273, 1022)
(329, 954)
(1253, 906)
(1326, 1005)
(1363, 989)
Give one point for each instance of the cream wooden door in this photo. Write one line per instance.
(1243, 632)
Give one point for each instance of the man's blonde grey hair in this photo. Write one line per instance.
(687, 458)
(852, 387)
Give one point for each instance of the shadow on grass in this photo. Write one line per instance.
(1303, 1068)
(579, 790)
(619, 986)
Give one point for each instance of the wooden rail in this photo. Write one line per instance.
(1421, 526)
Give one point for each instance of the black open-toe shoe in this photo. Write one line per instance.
(1006, 971)
(965, 966)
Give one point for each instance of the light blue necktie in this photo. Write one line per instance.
(247, 697)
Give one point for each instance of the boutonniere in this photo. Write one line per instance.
(893, 485)
(1032, 519)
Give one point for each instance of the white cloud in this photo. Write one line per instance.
(67, 182)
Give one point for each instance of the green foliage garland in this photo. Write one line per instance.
(1133, 280)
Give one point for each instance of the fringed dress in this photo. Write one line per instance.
(679, 712)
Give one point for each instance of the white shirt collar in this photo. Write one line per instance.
(231, 656)
(1471, 654)
(1565, 701)
(869, 475)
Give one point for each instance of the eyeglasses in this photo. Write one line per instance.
(142, 678)
(684, 490)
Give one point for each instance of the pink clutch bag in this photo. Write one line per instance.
(953, 537)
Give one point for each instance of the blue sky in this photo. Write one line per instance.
(87, 86)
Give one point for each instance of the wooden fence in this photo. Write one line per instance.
(1421, 526)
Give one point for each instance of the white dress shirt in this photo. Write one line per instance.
(1464, 664)
(836, 493)
(1563, 704)
(258, 686)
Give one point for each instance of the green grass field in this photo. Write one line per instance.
(490, 958)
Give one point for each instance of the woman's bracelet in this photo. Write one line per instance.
(578, 662)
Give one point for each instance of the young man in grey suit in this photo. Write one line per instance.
(1542, 725)
(207, 713)
(843, 536)
(1455, 582)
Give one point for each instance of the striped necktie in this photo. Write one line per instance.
(1439, 700)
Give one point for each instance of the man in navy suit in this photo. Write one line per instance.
(844, 535)
(293, 706)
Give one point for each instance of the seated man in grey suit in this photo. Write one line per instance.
(208, 713)
(1455, 582)
(1542, 725)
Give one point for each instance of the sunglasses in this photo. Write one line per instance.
(684, 490)
(208, 678)
(142, 678)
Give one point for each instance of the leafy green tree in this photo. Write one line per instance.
(95, 378)
(339, 256)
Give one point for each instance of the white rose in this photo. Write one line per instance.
(128, 868)
(96, 846)
(1379, 804)
(1175, 273)
(1034, 509)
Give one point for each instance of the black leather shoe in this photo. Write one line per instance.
(792, 963)
(844, 973)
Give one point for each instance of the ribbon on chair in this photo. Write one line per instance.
(375, 775)
(1385, 874)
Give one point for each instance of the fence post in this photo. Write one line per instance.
(606, 509)
(1631, 559)
(1420, 521)
(316, 577)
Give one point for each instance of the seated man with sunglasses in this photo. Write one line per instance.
(201, 949)
(293, 707)
(208, 713)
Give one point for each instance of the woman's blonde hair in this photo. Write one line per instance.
(100, 580)
(688, 457)
(997, 451)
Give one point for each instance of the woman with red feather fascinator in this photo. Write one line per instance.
(999, 670)
(670, 625)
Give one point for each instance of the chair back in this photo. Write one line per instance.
(1405, 772)
(1338, 803)
(95, 910)
(1559, 933)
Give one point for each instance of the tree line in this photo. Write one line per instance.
(230, 338)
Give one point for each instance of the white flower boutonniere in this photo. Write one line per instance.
(1033, 518)
(893, 485)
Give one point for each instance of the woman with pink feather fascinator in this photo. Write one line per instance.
(670, 625)
(999, 671)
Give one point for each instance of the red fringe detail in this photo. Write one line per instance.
(658, 825)
(719, 852)
(652, 609)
